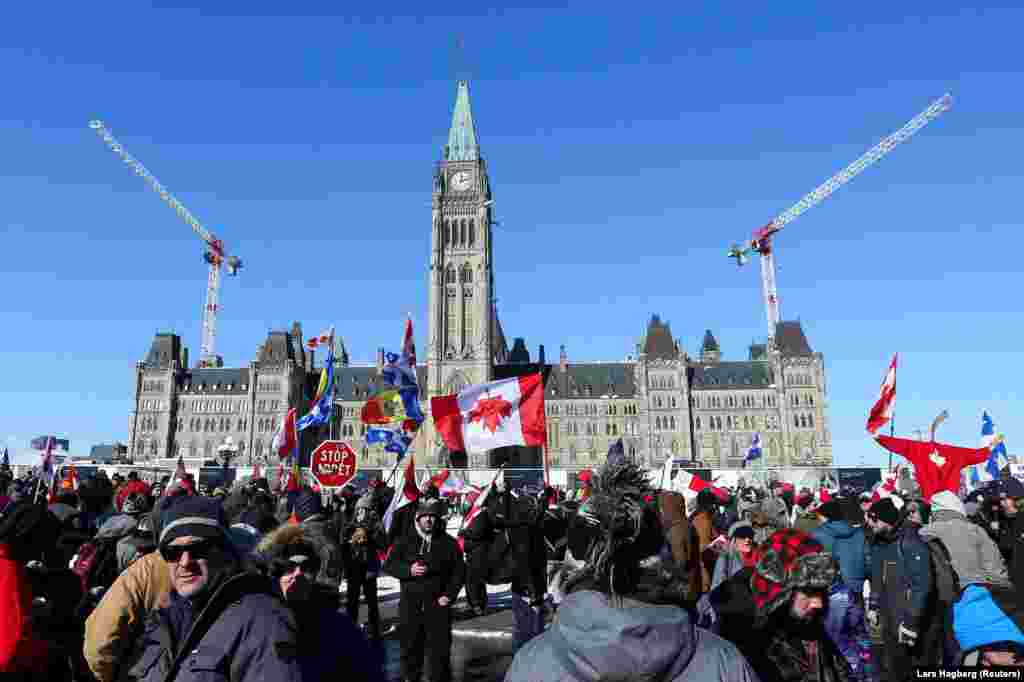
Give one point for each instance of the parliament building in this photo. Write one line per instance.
(662, 401)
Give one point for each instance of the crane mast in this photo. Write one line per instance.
(761, 241)
(214, 254)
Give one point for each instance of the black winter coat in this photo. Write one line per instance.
(446, 571)
(901, 577)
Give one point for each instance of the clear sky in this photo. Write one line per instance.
(626, 152)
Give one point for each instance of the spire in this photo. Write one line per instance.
(710, 352)
(462, 144)
(710, 343)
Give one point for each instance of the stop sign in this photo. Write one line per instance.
(333, 463)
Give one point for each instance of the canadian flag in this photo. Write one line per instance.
(882, 410)
(493, 415)
(286, 437)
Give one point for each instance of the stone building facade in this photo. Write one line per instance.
(661, 401)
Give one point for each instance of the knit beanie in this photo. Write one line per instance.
(886, 511)
(741, 529)
(201, 517)
(790, 560)
(307, 503)
(434, 507)
(945, 500)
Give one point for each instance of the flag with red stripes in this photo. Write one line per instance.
(881, 412)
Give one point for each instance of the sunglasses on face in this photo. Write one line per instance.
(196, 550)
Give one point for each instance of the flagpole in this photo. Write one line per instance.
(334, 385)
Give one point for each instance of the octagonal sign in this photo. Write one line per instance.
(333, 464)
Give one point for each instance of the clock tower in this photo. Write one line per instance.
(460, 350)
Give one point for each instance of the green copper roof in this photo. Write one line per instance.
(462, 144)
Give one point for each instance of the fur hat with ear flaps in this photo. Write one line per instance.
(790, 560)
(616, 509)
(276, 549)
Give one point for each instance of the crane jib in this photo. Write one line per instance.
(214, 255)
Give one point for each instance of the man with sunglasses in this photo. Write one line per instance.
(217, 620)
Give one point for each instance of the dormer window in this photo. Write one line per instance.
(216, 386)
(245, 387)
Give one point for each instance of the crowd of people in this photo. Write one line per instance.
(123, 579)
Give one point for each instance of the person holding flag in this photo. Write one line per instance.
(474, 536)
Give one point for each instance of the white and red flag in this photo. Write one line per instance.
(409, 493)
(287, 437)
(687, 483)
(881, 413)
(177, 478)
(493, 415)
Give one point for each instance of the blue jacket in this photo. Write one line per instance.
(252, 637)
(849, 547)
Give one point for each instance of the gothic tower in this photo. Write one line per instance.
(461, 278)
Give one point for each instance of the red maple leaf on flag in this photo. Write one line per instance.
(490, 411)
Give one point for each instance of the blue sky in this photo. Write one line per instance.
(626, 153)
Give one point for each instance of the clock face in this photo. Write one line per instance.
(460, 181)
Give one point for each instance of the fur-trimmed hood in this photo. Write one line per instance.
(275, 543)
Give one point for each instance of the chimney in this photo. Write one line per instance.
(563, 360)
(540, 356)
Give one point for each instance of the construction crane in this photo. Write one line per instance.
(214, 254)
(761, 241)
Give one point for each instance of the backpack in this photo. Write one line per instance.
(96, 563)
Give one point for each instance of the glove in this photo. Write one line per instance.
(907, 636)
(872, 618)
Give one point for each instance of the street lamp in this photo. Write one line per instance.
(227, 450)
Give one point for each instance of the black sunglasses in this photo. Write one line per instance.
(196, 550)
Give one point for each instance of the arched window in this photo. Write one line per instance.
(467, 274)
(746, 422)
(697, 423)
(449, 230)
(810, 420)
(718, 423)
(472, 232)
(657, 423)
(462, 233)
(449, 275)
(796, 421)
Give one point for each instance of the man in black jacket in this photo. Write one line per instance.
(430, 567)
(901, 582)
